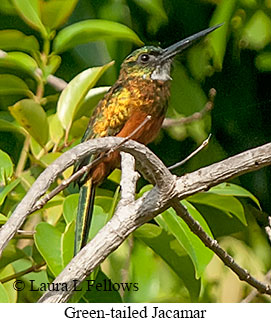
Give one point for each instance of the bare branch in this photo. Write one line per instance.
(130, 216)
(255, 292)
(170, 122)
(196, 228)
(204, 144)
(129, 178)
(268, 228)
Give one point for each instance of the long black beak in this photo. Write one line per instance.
(181, 45)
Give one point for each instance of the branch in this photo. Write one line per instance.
(128, 217)
(170, 122)
(196, 228)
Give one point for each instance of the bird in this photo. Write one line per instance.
(142, 90)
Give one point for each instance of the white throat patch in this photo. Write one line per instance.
(162, 73)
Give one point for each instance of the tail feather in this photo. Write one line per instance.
(84, 215)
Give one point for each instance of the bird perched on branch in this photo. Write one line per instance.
(142, 90)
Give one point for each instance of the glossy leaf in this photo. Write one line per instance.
(55, 128)
(230, 189)
(11, 84)
(7, 189)
(70, 207)
(73, 95)
(90, 101)
(29, 10)
(99, 219)
(55, 13)
(32, 117)
(228, 204)
(199, 254)
(18, 63)
(6, 167)
(11, 39)
(218, 39)
(55, 247)
(91, 30)
(168, 248)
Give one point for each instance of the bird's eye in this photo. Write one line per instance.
(144, 58)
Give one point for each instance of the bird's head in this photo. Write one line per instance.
(150, 62)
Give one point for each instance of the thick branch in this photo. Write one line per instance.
(128, 217)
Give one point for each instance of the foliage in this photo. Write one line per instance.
(37, 124)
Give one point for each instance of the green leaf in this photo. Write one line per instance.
(7, 7)
(9, 126)
(90, 101)
(52, 65)
(10, 254)
(228, 204)
(218, 39)
(55, 128)
(11, 84)
(55, 13)
(3, 219)
(229, 189)
(11, 39)
(199, 254)
(91, 30)
(30, 115)
(55, 247)
(18, 63)
(3, 294)
(74, 93)
(263, 62)
(168, 248)
(6, 167)
(101, 296)
(7, 189)
(29, 10)
(257, 32)
(70, 207)
(49, 158)
(99, 219)
(11, 292)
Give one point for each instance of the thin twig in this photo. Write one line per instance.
(170, 122)
(85, 169)
(204, 144)
(34, 268)
(255, 292)
(196, 228)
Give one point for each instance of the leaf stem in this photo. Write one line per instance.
(23, 156)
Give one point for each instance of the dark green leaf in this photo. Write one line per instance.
(200, 255)
(228, 204)
(12, 39)
(91, 30)
(168, 248)
(7, 189)
(32, 117)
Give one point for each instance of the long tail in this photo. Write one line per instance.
(84, 215)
